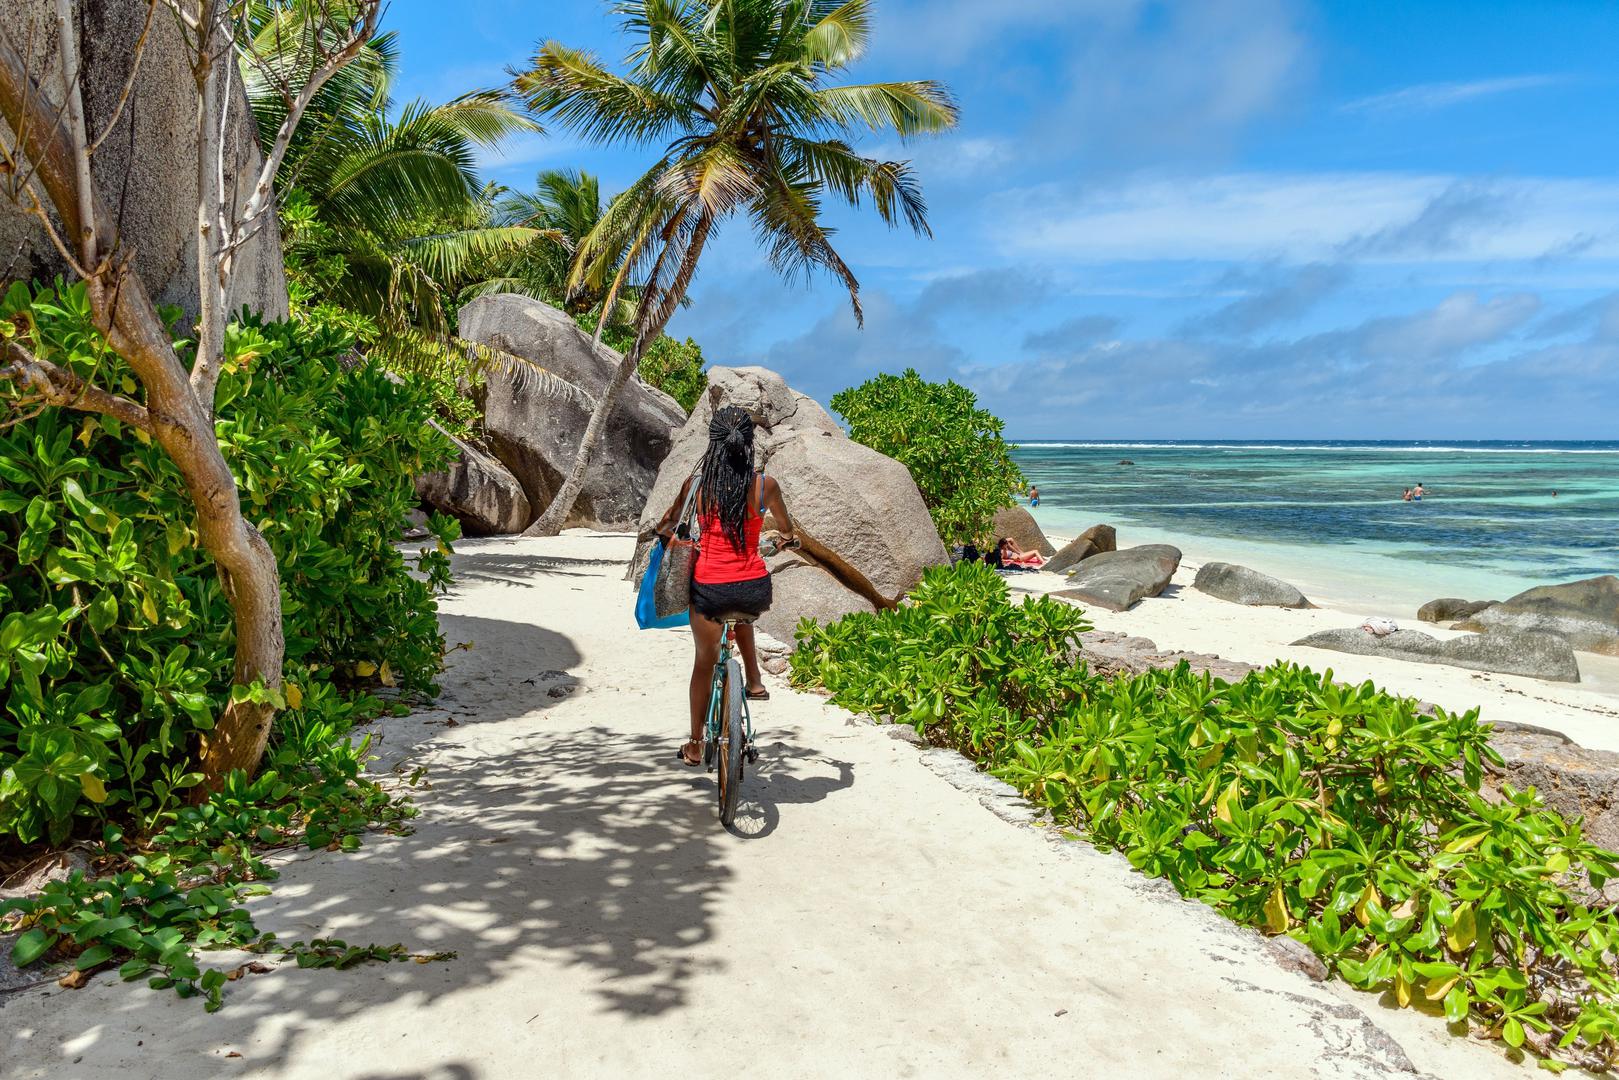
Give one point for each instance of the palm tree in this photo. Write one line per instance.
(736, 92)
(384, 214)
(563, 209)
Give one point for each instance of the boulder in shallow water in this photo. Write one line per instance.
(1093, 541)
(1536, 655)
(1025, 532)
(1586, 613)
(1240, 585)
(1115, 580)
(479, 492)
(536, 419)
(1449, 609)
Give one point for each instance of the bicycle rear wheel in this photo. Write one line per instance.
(730, 748)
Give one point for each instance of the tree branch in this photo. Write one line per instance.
(59, 386)
(79, 140)
(328, 63)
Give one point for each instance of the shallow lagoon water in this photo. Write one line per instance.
(1329, 517)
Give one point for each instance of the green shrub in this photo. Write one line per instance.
(954, 450)
(1342, 816)
(116, 643)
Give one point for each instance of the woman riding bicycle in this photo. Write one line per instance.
(730, 575)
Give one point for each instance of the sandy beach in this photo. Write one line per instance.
(882, 911)
(1185, 619)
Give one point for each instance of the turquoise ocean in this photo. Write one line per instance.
(1328, 515)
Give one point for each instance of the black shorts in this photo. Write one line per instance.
(752, 597)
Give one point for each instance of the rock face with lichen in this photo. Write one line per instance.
(146, 169)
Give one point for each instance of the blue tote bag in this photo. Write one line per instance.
(646, 607)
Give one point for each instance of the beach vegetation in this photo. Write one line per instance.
(955, 450)
(117, 644)
(740, 101)
(1351, 819)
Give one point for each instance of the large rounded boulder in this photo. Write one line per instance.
(538, 403)
(1584, 613)
(146, 165)
(1240, 585)
(1116, 580)
(866, 534)
(478, 491)
(1017, 523)
(1096, 540)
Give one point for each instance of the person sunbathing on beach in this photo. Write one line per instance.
(1011, 555)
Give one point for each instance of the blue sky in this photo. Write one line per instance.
(1199, 219)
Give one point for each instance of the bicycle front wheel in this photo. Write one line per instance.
(730, 748)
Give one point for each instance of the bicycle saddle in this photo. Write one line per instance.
(735, 617)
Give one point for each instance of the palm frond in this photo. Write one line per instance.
(839, 37)
(907, 108)
(447, 255)
(573, 86)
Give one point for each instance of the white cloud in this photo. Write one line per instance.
(1439, 95)
(1458, 323)
(1308, 216)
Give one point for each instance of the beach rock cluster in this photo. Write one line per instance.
(1019, 524)
(866, 534)
(479, 491)
(1240, 585)
(146, 167)
(1584, 613)
(1116, 580)
(1537, 655)
(1095, 540)
(536, 409)
(1449, 609)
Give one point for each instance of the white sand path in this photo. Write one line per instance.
(872, 920)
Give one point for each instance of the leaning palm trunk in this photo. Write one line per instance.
(657, 308)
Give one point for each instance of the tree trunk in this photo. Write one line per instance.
(247, 570)
(181, 424)
(657, 311)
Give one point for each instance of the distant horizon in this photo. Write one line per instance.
(1261, 440)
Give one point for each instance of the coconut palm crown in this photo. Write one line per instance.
(738, 96)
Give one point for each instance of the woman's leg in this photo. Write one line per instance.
(705, 633)
(750, 656)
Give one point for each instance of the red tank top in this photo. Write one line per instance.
(720, 562)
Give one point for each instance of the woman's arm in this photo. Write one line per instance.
(666, 525)
(770, 492)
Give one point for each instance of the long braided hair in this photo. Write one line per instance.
(726, 472)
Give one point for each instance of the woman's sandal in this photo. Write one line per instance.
(758, 695)
(684, 760)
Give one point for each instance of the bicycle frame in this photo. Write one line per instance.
(711, 727)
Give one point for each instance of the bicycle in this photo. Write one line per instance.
(728, 729)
